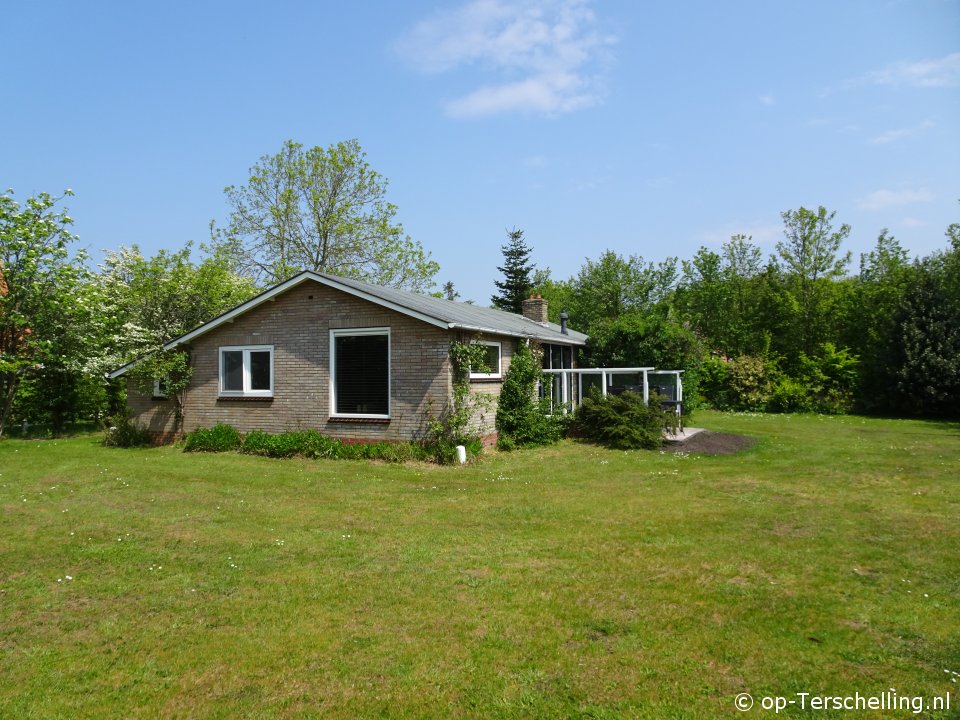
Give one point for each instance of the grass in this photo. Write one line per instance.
(564, 582)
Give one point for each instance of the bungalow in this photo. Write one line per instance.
(353, 360)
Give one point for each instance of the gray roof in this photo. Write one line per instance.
(435, 311)
(463, 315)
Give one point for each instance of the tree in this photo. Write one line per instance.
(323, 210)
(39, 330)
(614, 286)
(150, 301)
(522, 420)
(720, 296)
(449, 292)
(809, 252)
(557, 293)
(884, 279)
(516, 284)
(925, 359)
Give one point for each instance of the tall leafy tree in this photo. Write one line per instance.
(321, 209)
(557, 293)
(720, 296)
(42, 318)
(517, 282)
(811, 260)
(613, 286)
(871, 319)
(926, 356)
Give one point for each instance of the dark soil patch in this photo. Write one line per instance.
(706, 442)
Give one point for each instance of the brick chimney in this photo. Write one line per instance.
(535, 308)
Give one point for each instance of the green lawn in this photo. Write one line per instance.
(565, 582)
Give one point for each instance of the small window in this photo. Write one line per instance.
(246, 371)
(491, 361)
(360, 373)
(160, 391)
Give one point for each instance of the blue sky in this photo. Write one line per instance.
(645, 128)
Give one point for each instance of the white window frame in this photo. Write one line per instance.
(247, 391)
(350, 332)
(499, 370)
(159, 393)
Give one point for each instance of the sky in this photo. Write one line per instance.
(644, 128)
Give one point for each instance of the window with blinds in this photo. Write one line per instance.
(360, 371)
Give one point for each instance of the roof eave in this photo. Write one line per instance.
(509, 333)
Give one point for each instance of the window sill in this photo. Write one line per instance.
(360, 420)
(486, 380)
(245, 398)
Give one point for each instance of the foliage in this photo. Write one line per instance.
(149, 301)
(452, 426)
(885, 279)
(790, 395)
(45, 315)
(321, 209)
(622, 422)
(123, 432)
(925, 357)
(715, 382)
(614, 286)
(557, 293)
(312, 444)
(810, 256)
(220, 438)
(300, 443)
(516, 284)
(650, 340)
(830, 378)
(152, 300)
(522, 420)
(751, 382)
(722, 297)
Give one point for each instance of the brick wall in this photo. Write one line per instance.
(487, 391)
(297, 324)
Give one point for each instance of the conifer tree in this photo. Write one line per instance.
(517, 269)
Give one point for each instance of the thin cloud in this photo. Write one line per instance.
(543, 56)
(768, 99)
(882, 199)
(935, 73)
(893, 135)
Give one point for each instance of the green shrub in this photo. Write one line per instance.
(305, 443)
(715, 382)
(312, 444)
(790, 395)
(522, 419)
(220, 438)
(831, 378)
(622, 422)
(451, 427)
(751, 382)
(124, 432)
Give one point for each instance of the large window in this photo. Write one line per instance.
(491, 367)
(360, 373)
(246, 371)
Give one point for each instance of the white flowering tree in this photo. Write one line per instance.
(148, 301)
(43, 330)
